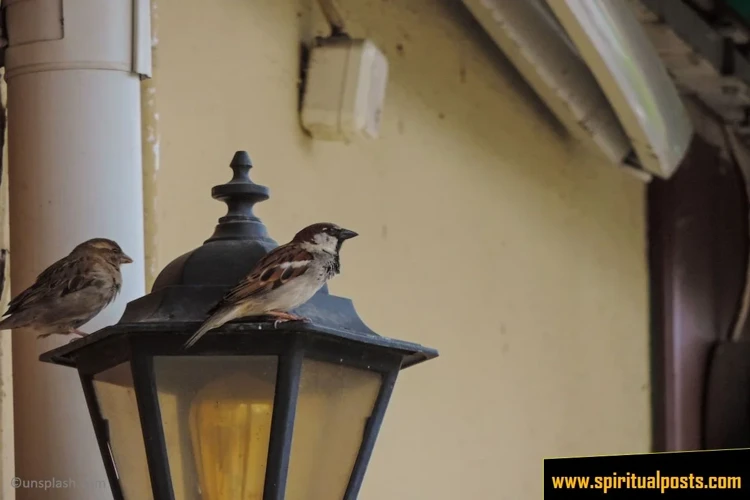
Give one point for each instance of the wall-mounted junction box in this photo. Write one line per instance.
(344, 90)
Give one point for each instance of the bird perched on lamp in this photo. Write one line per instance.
(283, 279)
(70, 292)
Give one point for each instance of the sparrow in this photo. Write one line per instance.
(70, 292)
(283, 279)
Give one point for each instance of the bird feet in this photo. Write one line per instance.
(79, 335)
(283, 317)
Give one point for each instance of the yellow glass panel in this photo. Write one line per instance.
(333, 406)
(117, 403)
(216, 413)
(230, 436)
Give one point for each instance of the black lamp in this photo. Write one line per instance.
(252, 411)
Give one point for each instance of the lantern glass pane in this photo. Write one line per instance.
(216, 413)
(333, 407)
(118, 406)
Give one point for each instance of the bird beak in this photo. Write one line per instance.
(124, 259)
(345, 234)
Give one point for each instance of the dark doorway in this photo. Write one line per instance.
(697, 256)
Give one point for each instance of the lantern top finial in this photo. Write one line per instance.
(239, 240)
(240, 194)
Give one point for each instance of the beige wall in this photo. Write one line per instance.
(485, 233)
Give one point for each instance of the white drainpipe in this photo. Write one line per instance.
(73, 69)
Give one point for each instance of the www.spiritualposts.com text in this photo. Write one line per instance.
(632, 481)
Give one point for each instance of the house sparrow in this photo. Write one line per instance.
(285, 278)
(70, 292)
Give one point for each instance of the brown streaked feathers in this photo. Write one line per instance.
(284, 279)
(71, 291)
(272, 271)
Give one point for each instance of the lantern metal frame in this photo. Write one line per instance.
(159, 323)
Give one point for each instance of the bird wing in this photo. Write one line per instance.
(276, 268)
(65, 276)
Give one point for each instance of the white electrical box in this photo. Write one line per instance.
(344, 90)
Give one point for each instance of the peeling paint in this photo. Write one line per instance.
(151, 155)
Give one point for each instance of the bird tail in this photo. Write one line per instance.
(12, 322)
(215, 321)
